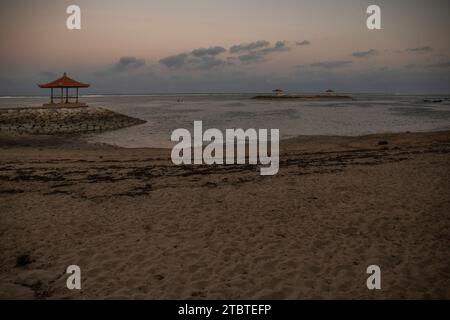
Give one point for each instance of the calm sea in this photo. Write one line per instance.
(164, 113)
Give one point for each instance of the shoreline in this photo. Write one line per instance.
(79, 141)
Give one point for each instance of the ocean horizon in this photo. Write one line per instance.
(366, 114)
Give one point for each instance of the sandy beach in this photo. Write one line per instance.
(142, 228)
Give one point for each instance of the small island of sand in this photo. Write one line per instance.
(280, 95)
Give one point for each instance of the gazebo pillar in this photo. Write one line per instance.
(51, 96)
(67, 95)
(62, 95)
(77, 96)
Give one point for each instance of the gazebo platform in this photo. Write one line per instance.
(64, 120)
(65, 105)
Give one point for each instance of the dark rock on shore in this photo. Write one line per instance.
(49, 121)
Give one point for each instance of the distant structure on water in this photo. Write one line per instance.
(278, 92)
(64, 83)
(280, 95)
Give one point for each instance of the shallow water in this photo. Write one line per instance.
(165, 113)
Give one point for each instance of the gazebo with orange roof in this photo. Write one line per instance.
(65, 83)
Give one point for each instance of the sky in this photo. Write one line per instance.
(183, 46)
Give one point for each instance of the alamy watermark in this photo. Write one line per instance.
(74, 280)
(73, 22)
(191, 149)
(374, 20)
(374, 280)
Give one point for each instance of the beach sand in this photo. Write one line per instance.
(142, 228)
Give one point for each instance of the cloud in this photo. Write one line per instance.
(445, 64)
(208, 62)
(303, 43)
(419, 49)
(251, 57)
(260, 54)
(175, 61)
(365, 54)
(330, 64)
(437, 65)
(201, 58)
(279, 46)
(207, 58)
(128, 63)
(211, 51)
(249, 46)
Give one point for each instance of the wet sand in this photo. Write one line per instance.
(142, 228)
